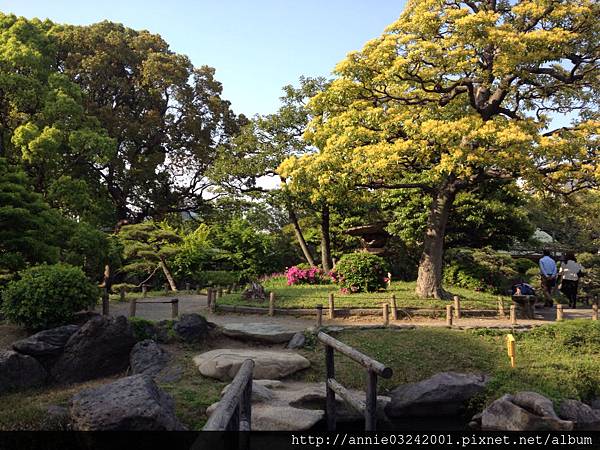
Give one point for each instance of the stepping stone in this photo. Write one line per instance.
(223, 364)
(262, 332)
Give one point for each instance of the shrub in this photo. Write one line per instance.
(590, 283)
(218, 277)
(481, 269)
(47, 296)
(297, 275)
(360, 272)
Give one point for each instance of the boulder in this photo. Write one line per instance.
(47, 343)
(444, 394)
(262, 332)
(223, 364)
(296, 406)
(582, 415)
(148, 358)
(99, 348)
(297, 341)
(524, 411)
(20, 371)
(133, 403)
(191, 328)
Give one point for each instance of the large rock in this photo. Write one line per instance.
(133, 403)
(148, 358)
(444, 394)
(191, 328)
(19, 371)
(583, 416)
(47, 343)
(295, 406)
(223, 364)
(524, 411)
(99, 348)
(262, 332)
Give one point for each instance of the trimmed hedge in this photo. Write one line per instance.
(47, 296)
(361, 272)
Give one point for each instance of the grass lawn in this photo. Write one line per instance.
(559, 361)
(150, 294)
(308, 296)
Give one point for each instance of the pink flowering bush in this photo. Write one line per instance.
(299, 275)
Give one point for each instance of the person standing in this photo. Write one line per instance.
(570, 273)
(548, 273)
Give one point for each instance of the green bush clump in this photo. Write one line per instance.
(482, 269)
(218, 277)
(143, 328)
(360, 272)
(47, 296)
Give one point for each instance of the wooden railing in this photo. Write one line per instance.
(133, 302)
(373, 368)
(234, 411)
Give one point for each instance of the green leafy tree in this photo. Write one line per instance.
(147, 246)
(27, 223)
(456, 93)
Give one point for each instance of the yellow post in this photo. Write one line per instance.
(511, 348)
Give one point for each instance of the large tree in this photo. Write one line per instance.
(456, 93)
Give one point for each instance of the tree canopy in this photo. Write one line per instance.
(456, 93)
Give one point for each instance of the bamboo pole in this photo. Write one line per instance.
(449, 315)
(394, 308)
(331, 306)
(272, 304)
(457, 307)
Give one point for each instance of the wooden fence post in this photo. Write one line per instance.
(174, 308)
(197, 289)
(329, 393)
(319, 316)
(386, 315)
(122, 294)
(105, 302)
(595, 311)
(220, 292)
(144, 291)
(166, 288)
(132, 306)
(371, 403)
(449, 315)
(559, 313)
(457, 306)
(513, 314)
(500, 307)
(213, 301)
(394, 308)
(271, 304)
(208, 298)
(331, 306)
(188, 287)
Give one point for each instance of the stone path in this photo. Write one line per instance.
(197, 304)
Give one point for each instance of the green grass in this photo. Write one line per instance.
(150, 294)
(559, 361)
(308, 296)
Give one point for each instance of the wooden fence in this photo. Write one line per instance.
(373, 368)
(234, 411)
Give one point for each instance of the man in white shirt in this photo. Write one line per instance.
(548, 273)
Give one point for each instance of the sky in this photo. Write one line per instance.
(256, 46)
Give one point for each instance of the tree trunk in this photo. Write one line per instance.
(429, 280)
(325, 240)
(168, 275)
(300, 237)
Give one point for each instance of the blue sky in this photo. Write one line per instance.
(256, 46)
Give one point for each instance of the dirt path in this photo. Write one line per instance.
(197, 304)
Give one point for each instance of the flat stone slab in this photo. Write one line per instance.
(223, 364)
(262, 332)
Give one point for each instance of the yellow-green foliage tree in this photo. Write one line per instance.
(458, 92)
